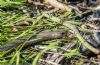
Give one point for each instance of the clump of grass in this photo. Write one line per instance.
(11, 3)
(8, 21)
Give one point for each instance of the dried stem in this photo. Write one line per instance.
(56, 4)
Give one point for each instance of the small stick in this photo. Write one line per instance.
(88, 30)
(56, 4)
(93, 26)
(49, 62)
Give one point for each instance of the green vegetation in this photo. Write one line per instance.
(16, 23)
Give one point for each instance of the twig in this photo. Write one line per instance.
(84, 14)
(49, 62)
(56, 4)
(88, 30)
(93, 26)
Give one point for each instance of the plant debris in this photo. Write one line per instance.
(49, 32)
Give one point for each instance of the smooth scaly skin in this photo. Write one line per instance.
(38, 38)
